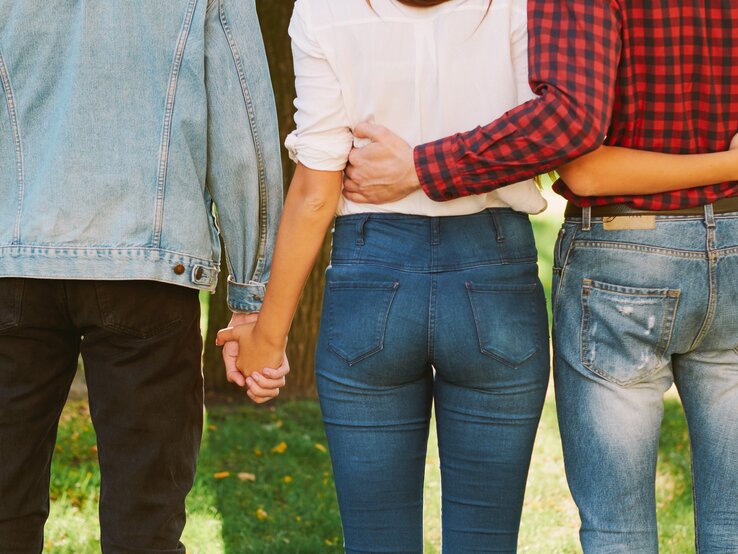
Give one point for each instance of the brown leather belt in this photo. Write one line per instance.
(722, 206)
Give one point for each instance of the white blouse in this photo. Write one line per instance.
(424, 73)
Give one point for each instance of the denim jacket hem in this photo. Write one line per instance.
(108, 264)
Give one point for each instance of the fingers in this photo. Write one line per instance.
(356, 197)
(262, 389)
(230, 353)
(370, 131)
(350, 185)
(276, 373)
(265, 385)
(226, 335)
(354, 192)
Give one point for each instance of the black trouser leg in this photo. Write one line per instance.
(38, 358)
(142, 353)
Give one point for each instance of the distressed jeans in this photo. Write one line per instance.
(635, 311)
(419, 311)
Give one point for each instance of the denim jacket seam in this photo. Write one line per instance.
(263, 216)
(17, 141)
(167, 122)
(118, 249)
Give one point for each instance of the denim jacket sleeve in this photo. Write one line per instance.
(244, 166)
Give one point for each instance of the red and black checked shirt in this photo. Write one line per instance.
(657, 75)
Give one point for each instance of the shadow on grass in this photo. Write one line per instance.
(269, 475)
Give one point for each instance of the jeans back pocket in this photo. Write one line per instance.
(358, 313)
(626, 330)
(508, 318)
(11, 294)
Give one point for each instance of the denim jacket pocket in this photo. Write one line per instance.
(11, 295)
(141, 309)
(626, 330)
(357, 317)
(507, 318)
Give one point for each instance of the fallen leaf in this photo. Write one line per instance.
(280, 448)
(320, 447)
(222, 474)
(287, 479)
(243, 476)
(261, 514)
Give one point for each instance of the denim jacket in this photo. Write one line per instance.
(122, 124)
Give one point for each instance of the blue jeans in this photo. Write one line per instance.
(407, 295)
(634, 311)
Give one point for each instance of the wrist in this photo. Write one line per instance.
(270, 338)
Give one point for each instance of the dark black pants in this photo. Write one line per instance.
(141, 346)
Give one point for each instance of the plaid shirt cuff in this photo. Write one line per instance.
(435, 164)
(245, 297)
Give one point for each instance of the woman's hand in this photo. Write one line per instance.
(262, 365)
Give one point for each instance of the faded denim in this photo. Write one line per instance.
(121, 123)
(432, 310)
(634, 312)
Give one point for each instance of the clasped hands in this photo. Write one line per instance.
(250, 361)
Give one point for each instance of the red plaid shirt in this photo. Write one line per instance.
(657, 75)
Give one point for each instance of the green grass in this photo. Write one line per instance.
(290, 505)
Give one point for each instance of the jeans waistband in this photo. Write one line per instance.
(420, 243)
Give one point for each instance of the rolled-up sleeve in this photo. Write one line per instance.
(322, 139)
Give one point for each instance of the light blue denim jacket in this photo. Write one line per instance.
(121, 123)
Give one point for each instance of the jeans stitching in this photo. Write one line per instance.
(166, 133)
(605, 245)
(17, 142)
(247, 98)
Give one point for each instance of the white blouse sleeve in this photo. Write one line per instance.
(322, 139)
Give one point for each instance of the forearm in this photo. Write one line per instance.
(309, 210)
(574, 50)
(611, 171)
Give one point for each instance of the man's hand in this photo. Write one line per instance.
(230, 349)
(382, 171)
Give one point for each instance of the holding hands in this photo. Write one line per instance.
(251, 361)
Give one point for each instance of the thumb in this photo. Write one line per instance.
(226, 335)
(370, 131)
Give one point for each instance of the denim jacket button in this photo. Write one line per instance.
(198, 273)
(179, 269)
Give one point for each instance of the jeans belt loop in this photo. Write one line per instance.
(587, 219)
(360, 224)
(710, 216)
(500, 235)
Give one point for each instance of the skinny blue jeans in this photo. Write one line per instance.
(635, 311)
(420, 311)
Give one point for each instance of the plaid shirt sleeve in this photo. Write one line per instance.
(574, 52)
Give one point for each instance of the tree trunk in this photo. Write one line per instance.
(274, 16)
(218, 317)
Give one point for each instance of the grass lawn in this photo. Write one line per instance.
(264, 483)
(264, 486)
